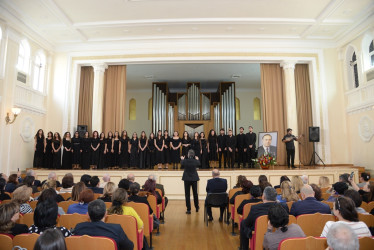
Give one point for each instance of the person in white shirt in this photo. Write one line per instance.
(106, 179)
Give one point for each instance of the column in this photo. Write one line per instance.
(290, 95)
(98, 96)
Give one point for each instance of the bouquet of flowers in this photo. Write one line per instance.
(265, 161)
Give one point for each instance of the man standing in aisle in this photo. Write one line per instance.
(190, 178)
(241, 147)
(251, 138)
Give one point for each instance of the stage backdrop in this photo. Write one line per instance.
(85, 97)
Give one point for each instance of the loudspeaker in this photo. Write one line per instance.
(81, 130)
(314, 134)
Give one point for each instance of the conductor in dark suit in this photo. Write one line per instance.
(266, 147)
(190, 178)
(216, 185)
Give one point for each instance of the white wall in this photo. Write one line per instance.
(141, 123)
(246, 97)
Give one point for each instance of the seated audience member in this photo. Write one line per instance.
(4, 176)
(12, 183)
(52, 185)
(364, 179)
(98, 227)
(32, 173)
(324, 182)
(131, 177)
(134, 191)
(50, 194)
(355, 196)
(52, 177)
(86, 179)
(45, 217)
(29, 182)
(278, 220)
(109, 189)
(240, 180)
(309, 204)
(288, 193)
(125, 184)
(282, 179)
(85, 197)
(263, 182)
(9, 214)
(256, 194)
(119, 201)
(246, 188)
(317, 192)
(21, 196)
(338, 189)
(345, 178)
(297, 183)
(67, 184)
(150, 186)
(341, 236)
(344, 210)
(367, 192)
(95, 185)
(51, 239)
(269, 198)
(159, 186)
(77, 189)
(3, 195)
(106, 179)
(216, 185)
(305, 179)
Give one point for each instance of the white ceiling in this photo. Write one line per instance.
(208, 74)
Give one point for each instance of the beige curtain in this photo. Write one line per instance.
(114, 98)
(85, 97)
(273, 105)
(304, 110)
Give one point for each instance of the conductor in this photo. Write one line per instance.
(190, 178)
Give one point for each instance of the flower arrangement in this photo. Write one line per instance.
(265, 161)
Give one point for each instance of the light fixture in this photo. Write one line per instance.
(15, 112)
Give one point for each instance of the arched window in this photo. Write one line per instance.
(256, 109)
(371, 53)
(39, 72)
(237, 108)
(132, 110)
(150, 109)
(355, 70)
(23, 56)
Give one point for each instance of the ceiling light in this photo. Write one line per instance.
(235, 76)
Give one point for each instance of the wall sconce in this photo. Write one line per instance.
(15, 112)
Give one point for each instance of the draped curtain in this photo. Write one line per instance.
(85, 97)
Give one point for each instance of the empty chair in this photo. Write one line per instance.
(25, 240)
(303, 243)
(89, 242)
(312, 224)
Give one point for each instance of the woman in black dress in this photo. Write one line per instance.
(151, 151)
(167, 140)
(186, 143)
(67, 157)
(124, 157)
(39, 147)
(143, 144)
(86, 150)
(56, 147)
(212, 148)
(204, 151)
(48, 155)
(76, 150)
(159, 144)
(134, 150)
(95, 151)
(102, 151)
(175, 148)
(116, 149)
(196, 145)
(109, 153)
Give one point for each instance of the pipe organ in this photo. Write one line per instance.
(159, 108)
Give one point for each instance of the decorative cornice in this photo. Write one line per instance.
(99, 67)
(288, 65)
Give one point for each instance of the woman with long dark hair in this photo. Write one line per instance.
(124, 157)
(76, 150)
(143, 144)
(67, 157)
(39, 146)
(212, 148)
(159, 144)
(85, 147)
(109, 152)
(204, 151)
(95, 152)
(134, 151)
(186, 143)
(48, 156)
(56, 147)
(175, 145)
(151, 151)
(196, 145)
(116, 149)
(167, 159)
(102, 151)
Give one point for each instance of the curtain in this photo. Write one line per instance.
(85, 97)
(304, 111)
(114, 98)
(273, 108)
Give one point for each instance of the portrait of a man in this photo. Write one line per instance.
(267, 143)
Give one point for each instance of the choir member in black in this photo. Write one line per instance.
(212, 148)
(196, 145)
(102, 152)
(116, 149)
(134, 150)
(85, 151)
(109, 153)
(76, 150)
(204, 151)
(39, 147)
(241, 148)
(231, 145)
(151, 151)
(175, 145)
(250, 141)
(186, 144)
(67, 155)
(167, 158)
(95, 151)
(56, 147)
(159, 144)
(143, 144)
(48, 156)
(124, 157)
(222, 149)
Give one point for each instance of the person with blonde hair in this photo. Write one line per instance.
(77, 189)
(21, 196)
(288, 193)
(109, 189)
(9, 214)
(297, 183)
(324, 182)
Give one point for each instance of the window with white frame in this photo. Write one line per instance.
(39, 72)
(23, 56)
(371, 53)
(355, 69)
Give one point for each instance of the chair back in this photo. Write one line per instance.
(33, 204)
(247, 209)
(10, 194)
(231, 194)
(143, 211)
(65, 205)
(6, 242)
(303, 243)
(217, 199)
(313, 224)
(27, 219)
(160, 192)
(238, 200)
(367, 218)
(366, 243)
(324, 190)
(370, 206)
(279, 191)
(331, 204)
(128, 224)
(69, 221)
(289, 205)
(88, 242)
(143, 193)
(108, 205)
(66, 196)
(25, 240)
(96, 196)
(365, 206)
(325, 196)
(152, 200)
(34, 195)
(58, 189)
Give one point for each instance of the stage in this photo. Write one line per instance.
(173, 184)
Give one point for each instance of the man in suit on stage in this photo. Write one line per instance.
(222, 149)
(250, 141)
(266, 147)
(231, 148)
(216, 185)
(190, 178)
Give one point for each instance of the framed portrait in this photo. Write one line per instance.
(267, 142)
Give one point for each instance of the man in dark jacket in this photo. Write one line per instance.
(216, 185)
(231, 148)
(134, 190)
(190, 178)
(222, 150)
(250, 142)
(241, 147)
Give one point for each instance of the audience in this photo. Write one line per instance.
(344, 210)
(134, 191)
(3, 195)
(305, 179)
(240, 180)
(309, 204)
(12, 183)
(106, 179)
(278, 220)
(124, 184)
(67, 184)
(29, 182)
(95, 185)
(263, 182)
(338, 189)
(51, 239)
(77, 189)
(109, 189)
(341, 236)
(159, 186)
(246, 188)
(324, 182)
(364, 180)
(85, 197)
(52, 177)
(52, 185)
(131, 177)
(367, 192)
(86, 179)
(9, 214)
(50, 194)
(317, 192)
(256, 194)
(21, 196)
(282, 179)
(288, 193)
(32, 173)
(150, 186)
(356, 198)
(297, 183)
(216, 185)
(98, 227)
